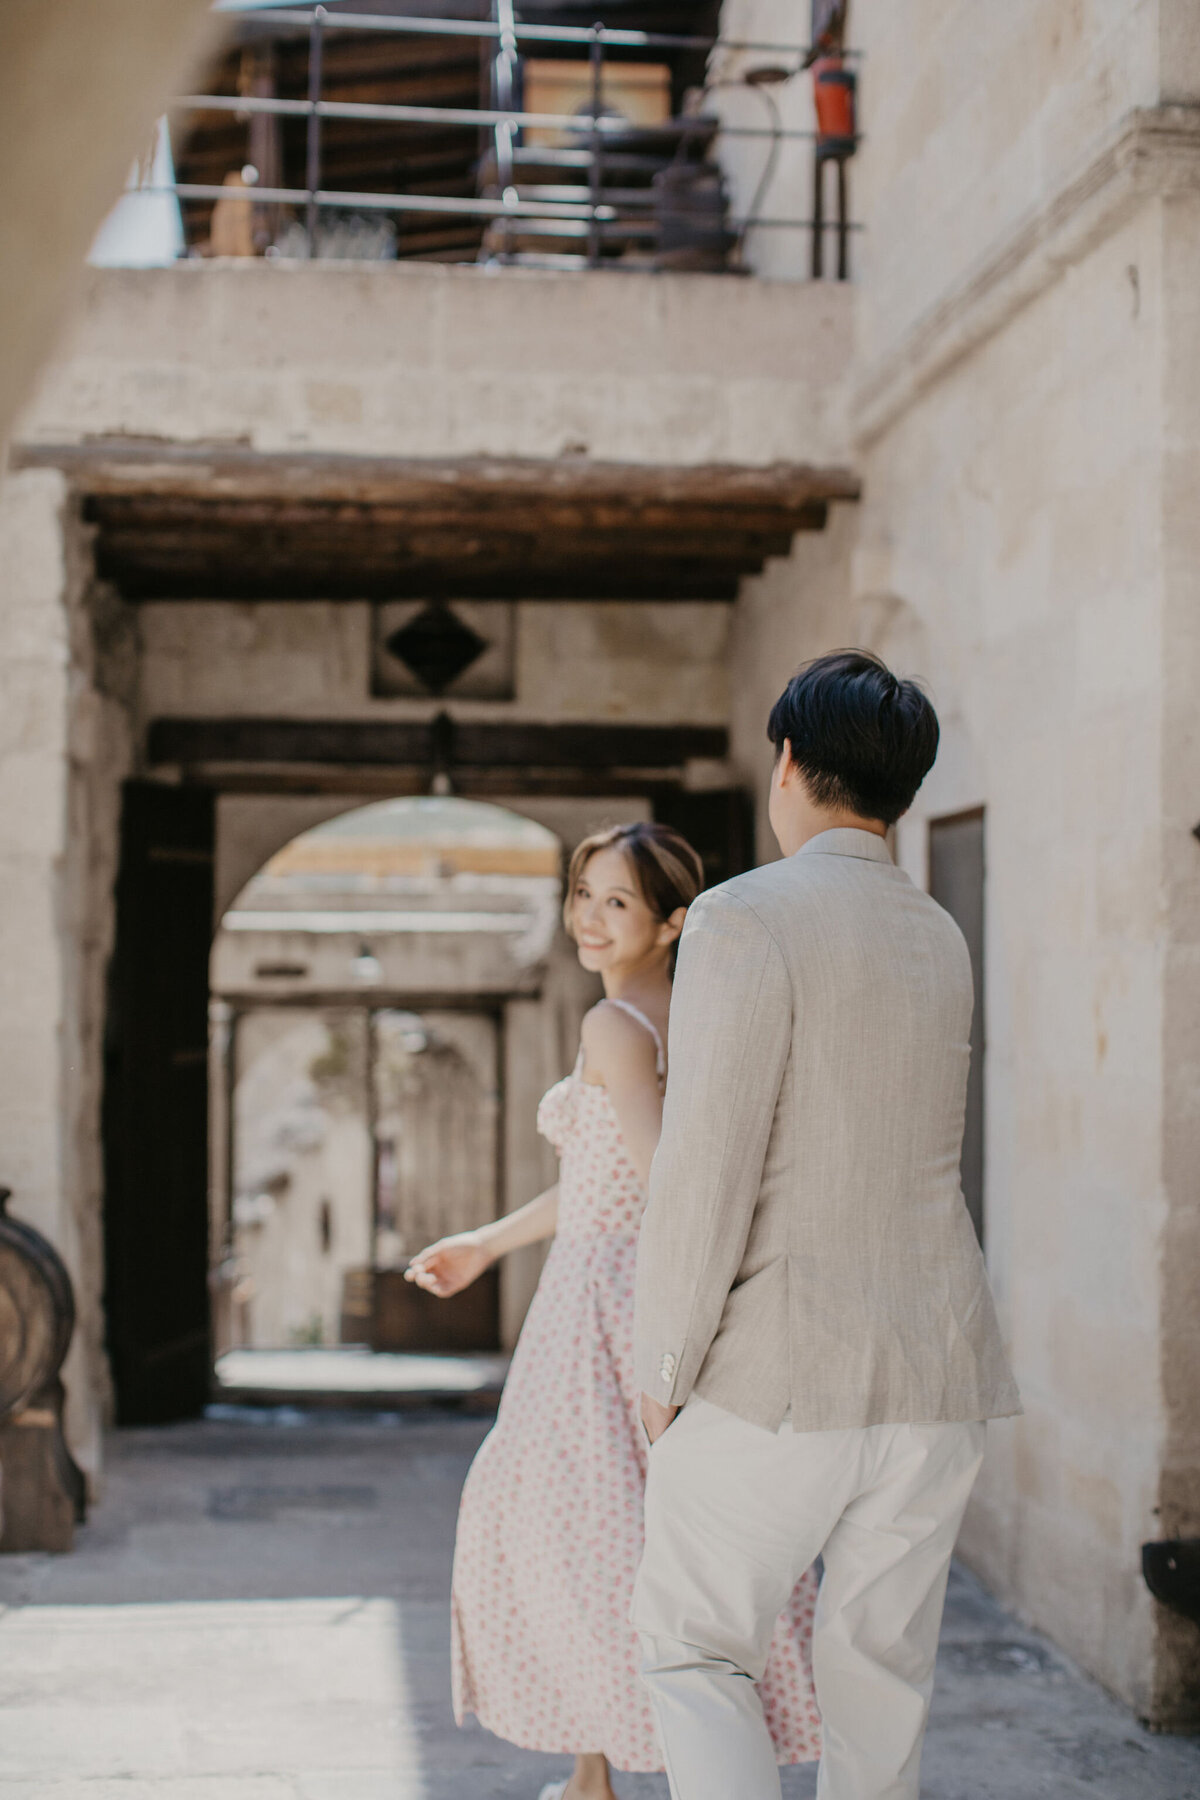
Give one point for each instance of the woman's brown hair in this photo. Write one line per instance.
(667, 871)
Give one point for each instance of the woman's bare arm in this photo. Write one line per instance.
(621, 1055)
(536, 1220)
(453, 1263)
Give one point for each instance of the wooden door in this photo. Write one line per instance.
(436, 1102)
(956, 881)
(156, 1107)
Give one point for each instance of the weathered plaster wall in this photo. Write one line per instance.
(312, 659)
(425, 360)
(1064, 151)
(1179, 1498)
(1008, 552)
(976, 117)
(1041, 596)
(1026, 416)
(798, 606)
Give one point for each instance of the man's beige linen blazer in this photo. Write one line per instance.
(806, 1244)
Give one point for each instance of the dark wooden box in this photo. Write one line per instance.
(383, 1310)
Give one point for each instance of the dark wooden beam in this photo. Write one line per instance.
(223, 522)
(366, 782)
(626, 581)
(227, 549)
(491, 519)
(439, 743)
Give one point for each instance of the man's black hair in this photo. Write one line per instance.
(863, 740)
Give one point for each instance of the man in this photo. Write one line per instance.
(810, 1291)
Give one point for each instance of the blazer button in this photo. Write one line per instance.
(667, 1366)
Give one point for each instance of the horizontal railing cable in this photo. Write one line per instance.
(427, 203)
(381, 113)
(618, 36)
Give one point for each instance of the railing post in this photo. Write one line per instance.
(505, 86)
(595, 169)
(312, 176)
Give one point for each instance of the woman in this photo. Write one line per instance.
(550, 1528)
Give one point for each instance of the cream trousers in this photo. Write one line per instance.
(734, 1515)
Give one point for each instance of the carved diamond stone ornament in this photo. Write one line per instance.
(437, 646)
(463, 647)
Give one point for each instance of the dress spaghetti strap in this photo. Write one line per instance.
(635, 1013)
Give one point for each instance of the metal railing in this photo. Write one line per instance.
(587, 219)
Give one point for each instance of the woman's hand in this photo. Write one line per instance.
(450, 1265)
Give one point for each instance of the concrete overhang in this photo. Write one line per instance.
(259, 431)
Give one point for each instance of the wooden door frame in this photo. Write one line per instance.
(965, 816)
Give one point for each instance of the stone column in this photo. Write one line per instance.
(64, 745)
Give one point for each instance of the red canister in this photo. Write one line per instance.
(833, 90)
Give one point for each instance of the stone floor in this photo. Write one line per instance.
(257, 1611)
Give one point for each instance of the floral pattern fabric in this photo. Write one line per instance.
(550, 1526)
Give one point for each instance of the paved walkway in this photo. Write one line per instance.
(258, 1612)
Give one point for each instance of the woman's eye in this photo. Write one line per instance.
(616, 902)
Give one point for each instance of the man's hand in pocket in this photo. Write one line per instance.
(656, 1417)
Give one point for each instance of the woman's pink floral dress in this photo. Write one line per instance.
(550, 1529)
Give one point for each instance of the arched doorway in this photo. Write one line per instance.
(168, 1186)
(187, 849)
(362, 981)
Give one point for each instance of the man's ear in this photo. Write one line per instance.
(785, 763)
